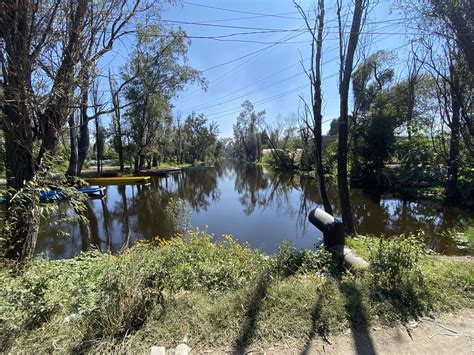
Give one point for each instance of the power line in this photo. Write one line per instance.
(199, 107)
(247, 86)
(230, 26)
(256, 53)
(241, 40)
(248, 18)
(248, 54)
(240, 11)
(279, 95)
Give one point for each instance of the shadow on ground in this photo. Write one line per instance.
(253, 308)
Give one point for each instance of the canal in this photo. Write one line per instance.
(256, 206)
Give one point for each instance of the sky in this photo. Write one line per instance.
(265, 68)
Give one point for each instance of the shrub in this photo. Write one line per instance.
(289, 260)
(395, 271)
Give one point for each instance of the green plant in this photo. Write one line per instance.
(395, 272)
(289, 260)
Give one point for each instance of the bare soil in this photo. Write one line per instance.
(445, 334)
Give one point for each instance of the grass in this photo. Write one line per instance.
(219, 294)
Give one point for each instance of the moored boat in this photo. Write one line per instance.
(158, 172)
(119, 180)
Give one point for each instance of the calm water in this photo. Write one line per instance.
(254, 205)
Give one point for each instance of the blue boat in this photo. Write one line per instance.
(58, 195)
(52, 196)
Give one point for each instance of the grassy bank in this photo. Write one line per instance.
(219, 294)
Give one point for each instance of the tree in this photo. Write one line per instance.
(157, 71)
(448, 47)
(346, 57)
(333, 127)
(40, 54)
(314, 75)
(246, 132)
(379, 107)
(117, 122)
(200, 139)
(458, 16)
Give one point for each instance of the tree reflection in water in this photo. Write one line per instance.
(256, 205)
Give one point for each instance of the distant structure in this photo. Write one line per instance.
(327, 140)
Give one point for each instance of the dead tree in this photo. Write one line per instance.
(346, 56)
(314, 74)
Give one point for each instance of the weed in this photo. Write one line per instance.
(218, 294)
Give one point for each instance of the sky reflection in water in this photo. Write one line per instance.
(254, 205)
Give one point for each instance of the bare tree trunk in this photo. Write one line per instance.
(22, 215)
(84, 139)
(120, 146)
(98, 147)
(19, 161)
(317, 112)
(73, 157)
(346, 72)
(316, 96)
(140, 162)
(117, 123)
(452, 190)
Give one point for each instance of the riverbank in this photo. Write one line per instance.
(221, 295)
(422, 192)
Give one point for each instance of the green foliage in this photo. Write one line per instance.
(462, 239)
(334, 127)
(281, 160)
(157, 70)
(420, 165)
(26, 202)
(217, 292)
(247, 135)
(395, 271)
(196, 140)
(330, 159)
(374, 135)
(289, 260)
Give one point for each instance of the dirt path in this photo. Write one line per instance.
(451, 334)
(448, 334)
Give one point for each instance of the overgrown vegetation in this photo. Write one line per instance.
(219, 294)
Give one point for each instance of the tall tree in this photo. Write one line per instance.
(446, 35)
(247, 132)
(458, 16)
(346, 57)
(314, 74)
(158, 69)
(40, 54)
(117, 121)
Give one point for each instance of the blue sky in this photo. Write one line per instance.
(272, 78)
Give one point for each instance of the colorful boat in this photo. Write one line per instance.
(158, 172)
(119, 180)
(52, 196)
(58, 195)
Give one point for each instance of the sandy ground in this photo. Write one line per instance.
(446, 334)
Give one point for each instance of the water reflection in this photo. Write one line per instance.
(257, 206)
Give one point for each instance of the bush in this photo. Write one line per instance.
(289, 260)
(220, 293)
(394, 266)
